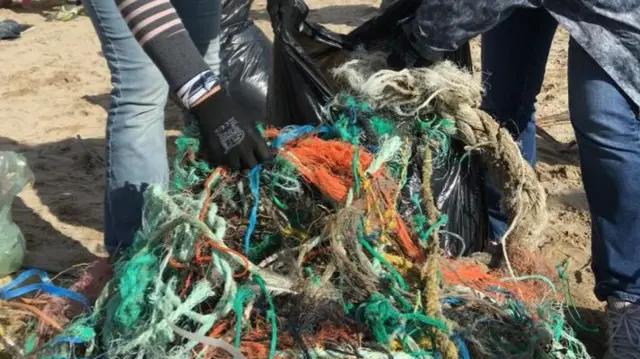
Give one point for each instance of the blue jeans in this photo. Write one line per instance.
(607, 128)
(136, 153)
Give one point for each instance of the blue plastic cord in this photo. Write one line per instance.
(14, 290)
(66, 339)
(463, 352)
(290, 133)
(254, 185)
(451, 300)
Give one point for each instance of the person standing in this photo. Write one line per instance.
(604, 105)
(154, 47)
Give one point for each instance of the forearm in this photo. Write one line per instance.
(160, 32)
(443, 25)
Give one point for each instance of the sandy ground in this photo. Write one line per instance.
(54, 88)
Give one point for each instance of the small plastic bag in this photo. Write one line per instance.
(14, 176)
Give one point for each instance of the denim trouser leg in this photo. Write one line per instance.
(607, 129)
(514, 55)
(136, 153)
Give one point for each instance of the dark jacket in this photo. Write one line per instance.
(609, 30)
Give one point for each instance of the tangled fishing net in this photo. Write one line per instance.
(314, 255)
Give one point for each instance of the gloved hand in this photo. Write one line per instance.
(404, 53)
(229, 137)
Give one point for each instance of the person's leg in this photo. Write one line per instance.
(135, 148)
(135, 140)
(514, 55)
(607, 127)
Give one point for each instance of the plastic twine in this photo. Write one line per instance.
(387, 150)
(242, 295)
(254, 186)
(13, 289)
(442, 221)
(573, 313)
(290, 133)
(384, 319)
(463, 351)
(271, 315)
(69, 339)
(380, 316)
(235, 353)
(394, 272)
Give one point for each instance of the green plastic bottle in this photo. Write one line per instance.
(14, 176)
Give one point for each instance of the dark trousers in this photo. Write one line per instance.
(607, 128)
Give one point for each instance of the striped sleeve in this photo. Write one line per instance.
(160, 32)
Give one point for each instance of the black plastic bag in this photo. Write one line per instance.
(246, 58)
(458, 190)
(300, 88)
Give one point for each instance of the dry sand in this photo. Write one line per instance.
(54, 87)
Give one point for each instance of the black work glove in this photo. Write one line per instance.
(404, 53)
(228, 135)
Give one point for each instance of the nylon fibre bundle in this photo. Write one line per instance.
(308, 256)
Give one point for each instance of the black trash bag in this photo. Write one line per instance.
(246, 56)
(300, 88)
(458, 190)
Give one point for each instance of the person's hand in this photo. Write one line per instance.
(404, 53)
(228, 136)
